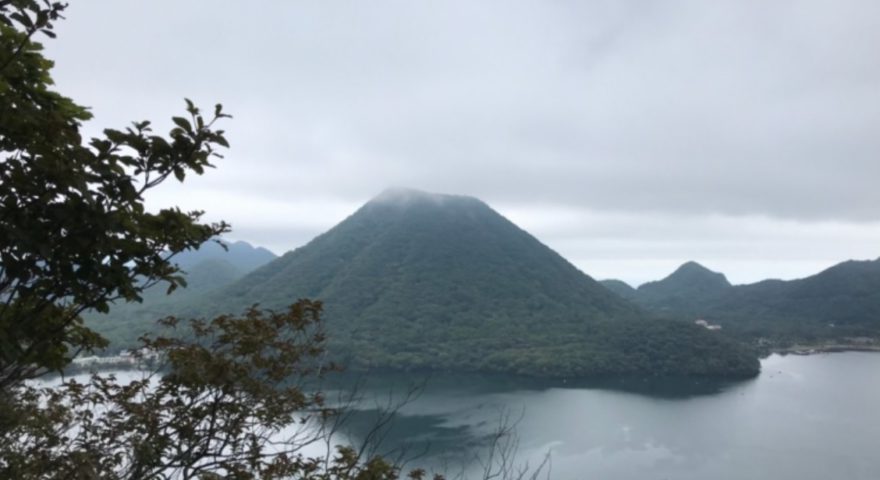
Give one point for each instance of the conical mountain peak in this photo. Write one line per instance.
(692, 265)
(689, 283)
(421, 280)
(419, 245)
(429, 267)
(691, 272)
(416, 280)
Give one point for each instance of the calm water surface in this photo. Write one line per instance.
(812, 417)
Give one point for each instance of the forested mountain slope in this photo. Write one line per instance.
(619, 287)
(839, 302)
(417, 280)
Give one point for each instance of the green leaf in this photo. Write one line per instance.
(22, 19)
(182, 123)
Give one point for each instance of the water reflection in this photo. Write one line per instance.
(478, 384)
(803, 418)
(410, 436)
(452, 420)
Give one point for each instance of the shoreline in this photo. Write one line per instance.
(825, 348)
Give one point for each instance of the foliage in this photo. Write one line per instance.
(74, 234)
(233, 400)
(75, 237)
(207, 269)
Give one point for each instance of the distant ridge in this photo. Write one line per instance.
(240, 255)
(839, 303)
(205, 270)
(619, 287)
(690, 285)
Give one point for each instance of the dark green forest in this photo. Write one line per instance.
(839, 304)
(417, 281)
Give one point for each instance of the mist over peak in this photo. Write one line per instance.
(409, 196)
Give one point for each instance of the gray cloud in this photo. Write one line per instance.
(686, 110)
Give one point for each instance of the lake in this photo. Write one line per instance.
(804, 417)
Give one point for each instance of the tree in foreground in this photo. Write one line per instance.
(233, 398)
(74, 233)
(229, 399)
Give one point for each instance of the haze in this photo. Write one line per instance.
(629, 136)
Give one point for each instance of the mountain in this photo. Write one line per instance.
(241, 256)
(619, 287)
(418, 255)
(841, 301)
(687, 289)
(838, 303)
(205, 270)
(414, 280)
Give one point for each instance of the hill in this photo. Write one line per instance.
(688, 289)
(841, 301)
(835, 304)
(412, 254)
(205, 270)
(241, 256)
(414, 280)
(619, 287)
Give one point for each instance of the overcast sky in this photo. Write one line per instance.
(630, 136)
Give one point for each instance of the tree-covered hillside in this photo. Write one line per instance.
(423, 281)
(687, 289)
(420, 255)
(838, 303)
(619, 287)
(842, 301)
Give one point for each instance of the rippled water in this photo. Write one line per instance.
(812, 417)
(804, 417)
